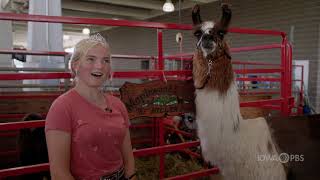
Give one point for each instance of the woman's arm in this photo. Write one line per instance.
(58, 143)
(127, 155)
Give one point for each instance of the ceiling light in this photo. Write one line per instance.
(86, 31)
(168, 6)
(66, 37)
(69, 50)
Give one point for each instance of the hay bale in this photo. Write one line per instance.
(147, 167)
(175, 164)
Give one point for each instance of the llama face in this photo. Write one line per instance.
(207, 39)
(210, 34)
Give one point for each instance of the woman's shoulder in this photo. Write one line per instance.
(65, 98)
(61, 113)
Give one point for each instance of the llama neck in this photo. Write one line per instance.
(218, 102)
(221, 73)
(219, 112)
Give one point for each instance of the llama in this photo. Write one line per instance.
(227, 141)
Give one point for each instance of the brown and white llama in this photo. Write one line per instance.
(227, 141)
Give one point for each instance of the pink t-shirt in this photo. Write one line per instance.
(96, 135)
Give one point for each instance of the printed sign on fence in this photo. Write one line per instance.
(158, 98)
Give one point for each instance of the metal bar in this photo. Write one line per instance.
(256, 31)
(62, 53)
(178, 58)
(183, 78)
(284, 79)
(126, 23)
(260, 103)
(30, 86)
(21, 125)
(289, 60)
(200, 173)
(183, 58)
(24, 96)
(123, 74)
(256, 71)
(15, 116)
(259, 79)
(137, 126)
(129, 74)
(155, 73)
(33, 52)
(258, 93)
(160, 50)
(17, 171)
(244, 75)
(33, 69)
(300, 109)
(179, 132)
(255, 48)
(162, 154)
(143, 152)
(235, 50)
(253, 63)
(91, 21)
(165, 148)
(39, 123)
(193, 154)
(259, 85)
(11, 116)
(131, 56)
(24, 76)
(282, 83)
(274, 107)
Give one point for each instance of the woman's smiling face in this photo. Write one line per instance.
(93, 69)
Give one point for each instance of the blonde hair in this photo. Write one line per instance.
(83, 46)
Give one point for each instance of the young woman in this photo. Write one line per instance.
(87, 131)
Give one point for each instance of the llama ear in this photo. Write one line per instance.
(226, 17)
(196, 19)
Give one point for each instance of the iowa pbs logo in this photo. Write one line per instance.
(283, 157)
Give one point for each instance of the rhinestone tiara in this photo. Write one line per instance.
(98, 38)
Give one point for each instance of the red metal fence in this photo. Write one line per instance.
(283, 103)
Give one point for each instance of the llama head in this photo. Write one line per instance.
(210, 35)
(212, 67)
